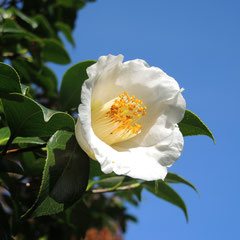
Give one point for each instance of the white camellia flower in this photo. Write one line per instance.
(128, 118)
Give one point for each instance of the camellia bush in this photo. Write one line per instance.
(71, 159)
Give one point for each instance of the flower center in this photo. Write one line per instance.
(117, 120)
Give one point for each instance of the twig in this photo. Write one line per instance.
(27, 149)
(123, 188)
(7, 146)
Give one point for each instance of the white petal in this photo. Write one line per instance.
(165, 152)
(161, 142)
(158, 126)
(104, 74)
(149, 84)
(139, 166)
(134, 163)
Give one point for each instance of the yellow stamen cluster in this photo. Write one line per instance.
(126, 111)
(118, 120)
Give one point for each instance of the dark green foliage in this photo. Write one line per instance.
(9, 80)
(26, 118)
(49, 188)
(65, 175)
(71, 85)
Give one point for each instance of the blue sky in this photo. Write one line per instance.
(196, 42)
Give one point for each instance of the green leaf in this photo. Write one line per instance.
(4, 135)
(65, 175)
(48, 207)
(32, 166)
(66, 30)
(28, 140)
(53, 51)
(43, 77)
(164, 191)
(110, 183)
(25, 89)
(72, 83)
(25, 18)
(133, 195)
(44, 28)
(193, 125)
(11, 28)
(9, 80)
(174, 178)
(27, 118)
(71, 3)
(48, 80)
(24, 69)
(95, 169)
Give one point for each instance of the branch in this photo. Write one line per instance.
(27, 149)
(5, 150)
(123, 188)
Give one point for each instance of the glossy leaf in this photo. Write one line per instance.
(65, 175)
(43, 77)
(72, 83)
(192, 125)
(9, 80)
(53, 51)
(4, 135)
(164, 191)
(174, 178)
(27, 118)
(28, 140)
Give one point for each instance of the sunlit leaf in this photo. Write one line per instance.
(4, 135)
(174, 178)
(192, 125)
(164, 191)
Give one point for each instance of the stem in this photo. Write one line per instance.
(27, 149)
(123, 188)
